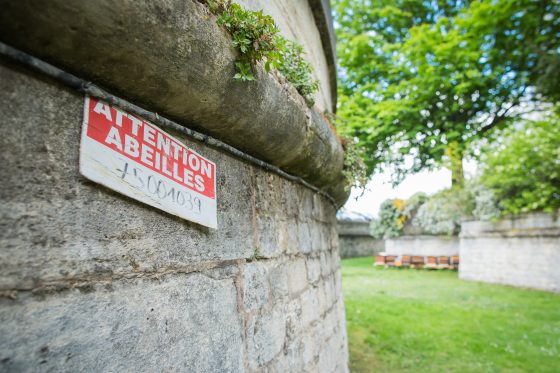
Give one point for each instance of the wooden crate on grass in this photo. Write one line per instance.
(455, 262)
(417, 261)
(380, 260)
(390, 260)
(443, 262)
(431, 262)
(405, 261)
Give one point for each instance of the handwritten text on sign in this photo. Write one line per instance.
(136, 158)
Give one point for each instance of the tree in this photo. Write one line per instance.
(422, 80)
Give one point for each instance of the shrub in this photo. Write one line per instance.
(395, 214)
(392, 219)
(443, 212)
(485, 205)
(414, 203)
(523, 170)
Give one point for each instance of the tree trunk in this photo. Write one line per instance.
(455, 154)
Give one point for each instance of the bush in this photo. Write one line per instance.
(440, 213)
(414, 203)
(485, 204)
(394, 214)
(523, 170)
(392, 219)
(443, 212)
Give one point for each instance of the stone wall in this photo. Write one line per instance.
(95, 281)
(91, 280)
(522, 251)
(171, 57)
(423, 245)
(355, 239)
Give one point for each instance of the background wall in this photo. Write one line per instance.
(355, 239)
(423, 245)
(93, 281)
(523, 251)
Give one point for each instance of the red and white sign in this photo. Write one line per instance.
(133, 157)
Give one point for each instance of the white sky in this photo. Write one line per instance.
(379, 188)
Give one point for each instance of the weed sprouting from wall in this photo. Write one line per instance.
(257, 38)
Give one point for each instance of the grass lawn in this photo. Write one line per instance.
(430, 321)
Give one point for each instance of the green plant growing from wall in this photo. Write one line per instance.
(257, 38)
(295, 68)
(354, 169)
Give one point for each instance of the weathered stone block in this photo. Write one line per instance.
(313, 270)
(297, 276)
(330, 359)
(326, 263)
(265, 337)
(304, 238)
(57, 223)
(255, 285)
(278, 276)
(268, 241)
(176, 323)
(310, 306)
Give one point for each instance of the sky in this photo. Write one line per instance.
(379, 188)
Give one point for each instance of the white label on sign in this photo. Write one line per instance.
(134, 157)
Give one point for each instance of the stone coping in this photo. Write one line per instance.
(172, 58)
(444, 237)
(527, 225)
(354, 228)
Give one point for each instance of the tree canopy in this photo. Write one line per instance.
(421, 80)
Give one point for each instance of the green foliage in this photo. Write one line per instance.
(244, 73)
(420, 76)
(296, 69)
(257, 38)
(485, 204)
(414, 203)
(439, 214)
(523, 170)
(430, 321)
(252, 32)
(391, 221)
(354, 169)
(443, 212)
(395, 214)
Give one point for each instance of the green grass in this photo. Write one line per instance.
(430, 321)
